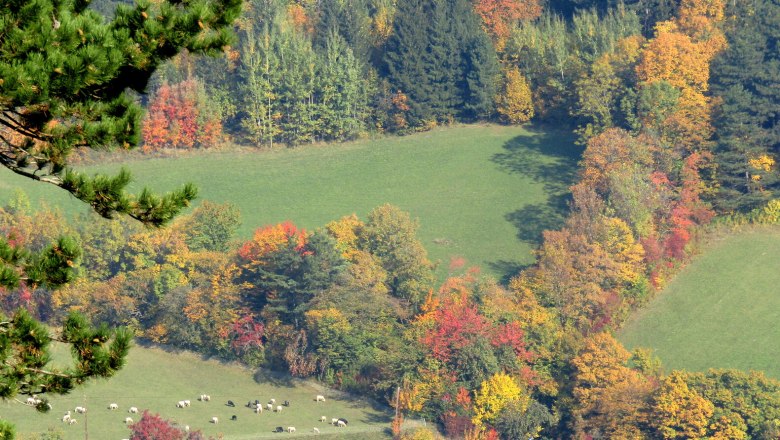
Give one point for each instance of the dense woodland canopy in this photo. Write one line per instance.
(676, 103)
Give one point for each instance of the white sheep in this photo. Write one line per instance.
(279, 408)
(186, 402)
(323, 418)
(81, 410)
(180, 404)
(133, 410)
(291, 429)
(214, 420)
(273, 401)
(32, 401)
(204, 398)
(334, 421)
(258, 409)
(66, 417)
(320, 398)
(72, 421)
(270, 407)
(316, 431)
(113, 406)
(341, 424)
(128, 420)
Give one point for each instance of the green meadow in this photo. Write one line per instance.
(481, 192)
(721, 311)
(156, 380)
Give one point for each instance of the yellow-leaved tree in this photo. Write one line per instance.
(514, 102)
(609, 397)
(679, 411)
(493, 395)
(679, 56)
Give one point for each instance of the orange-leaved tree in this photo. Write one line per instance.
(181, 116)
(499, 16)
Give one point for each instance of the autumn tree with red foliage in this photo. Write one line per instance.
(154, 427)
(499, 16)
(180, 116)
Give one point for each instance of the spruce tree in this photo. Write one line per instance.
(404, 58)
(442, 60)
(746, 77)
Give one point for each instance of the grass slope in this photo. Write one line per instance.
(483, 192)
(155, 380)
(722, 311)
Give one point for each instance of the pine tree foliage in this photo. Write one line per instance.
(65, 74)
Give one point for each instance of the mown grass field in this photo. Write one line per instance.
(721, 311)
(156, 380)
(482, 192)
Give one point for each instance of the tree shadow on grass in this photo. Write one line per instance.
(274, 378)
(548, 157)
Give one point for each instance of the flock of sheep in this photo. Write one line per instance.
(256, 406)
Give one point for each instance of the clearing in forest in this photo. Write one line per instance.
(481, 192)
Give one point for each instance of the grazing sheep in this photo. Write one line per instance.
(279, 408)
(214, 420)
(334, 421)
(128, 420)
(291, 429)
(341, 423)
(204, 398)
(258, 409)
(234, 417)
(286, 403)
(133, 410)
(187, 402)
(320, 398)
(270, 407)
(72, 421)
(66, 417)
(113, 406)
(279, 429)
(248, 404)
(323, 418)
(80, 410)
(273, 401)
(180, 404)
(230, 403)
(316, 431)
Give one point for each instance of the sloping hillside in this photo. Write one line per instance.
(722, 310)
(156, 380)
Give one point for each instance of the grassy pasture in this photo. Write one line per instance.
(721, 311)
(155, 380)
(482, 192)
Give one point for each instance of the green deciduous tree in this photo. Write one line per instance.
(391, 235)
